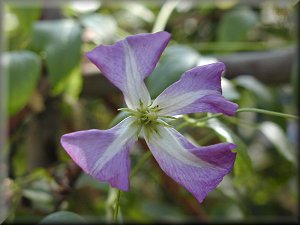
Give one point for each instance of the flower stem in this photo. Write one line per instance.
(189, 120)
(164, 15)
(117, 206)
(267, 112)
(140, 163)
(209, 117)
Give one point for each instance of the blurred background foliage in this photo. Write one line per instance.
(53, 89)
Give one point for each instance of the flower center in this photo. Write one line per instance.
(144, 116)
(148, 117)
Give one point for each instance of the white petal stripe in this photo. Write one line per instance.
(126, 133)
(166, 141)
(136, 88)
(170, 104)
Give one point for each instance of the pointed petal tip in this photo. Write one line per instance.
(220, 67)
(221, 64)
(88, 54)
(233, 109)
(166, 34)
(232, 146)
(216, 66)
(94, 54)
(64, 139)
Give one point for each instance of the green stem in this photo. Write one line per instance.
(189, 120)
(140, 163)
(182, 125)
(164, 15)
(117, 206)
(240, 122)
(209, 117)
(267, 112)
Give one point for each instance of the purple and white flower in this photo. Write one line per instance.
(104, 154)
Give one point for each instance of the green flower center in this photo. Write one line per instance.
(148, 117)
(144, 116)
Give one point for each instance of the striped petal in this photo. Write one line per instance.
(129, 61)
(198, 90)
(198, 169)
(104, 154)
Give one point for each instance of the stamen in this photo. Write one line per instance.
(148, 118)
(130, 111)
(168, 117)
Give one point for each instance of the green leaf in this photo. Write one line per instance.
(23, 70)
(236, 24)
(63, 217)
(243, 166)
(60, 43)
(19, 24)
(176, 60)
(277, 137)
(72, 85)
(26, 15)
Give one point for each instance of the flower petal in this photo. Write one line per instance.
(129, 61)
(198, 169)
(104, 154)
(198, 90)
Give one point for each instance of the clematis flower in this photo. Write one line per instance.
(104, 154)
